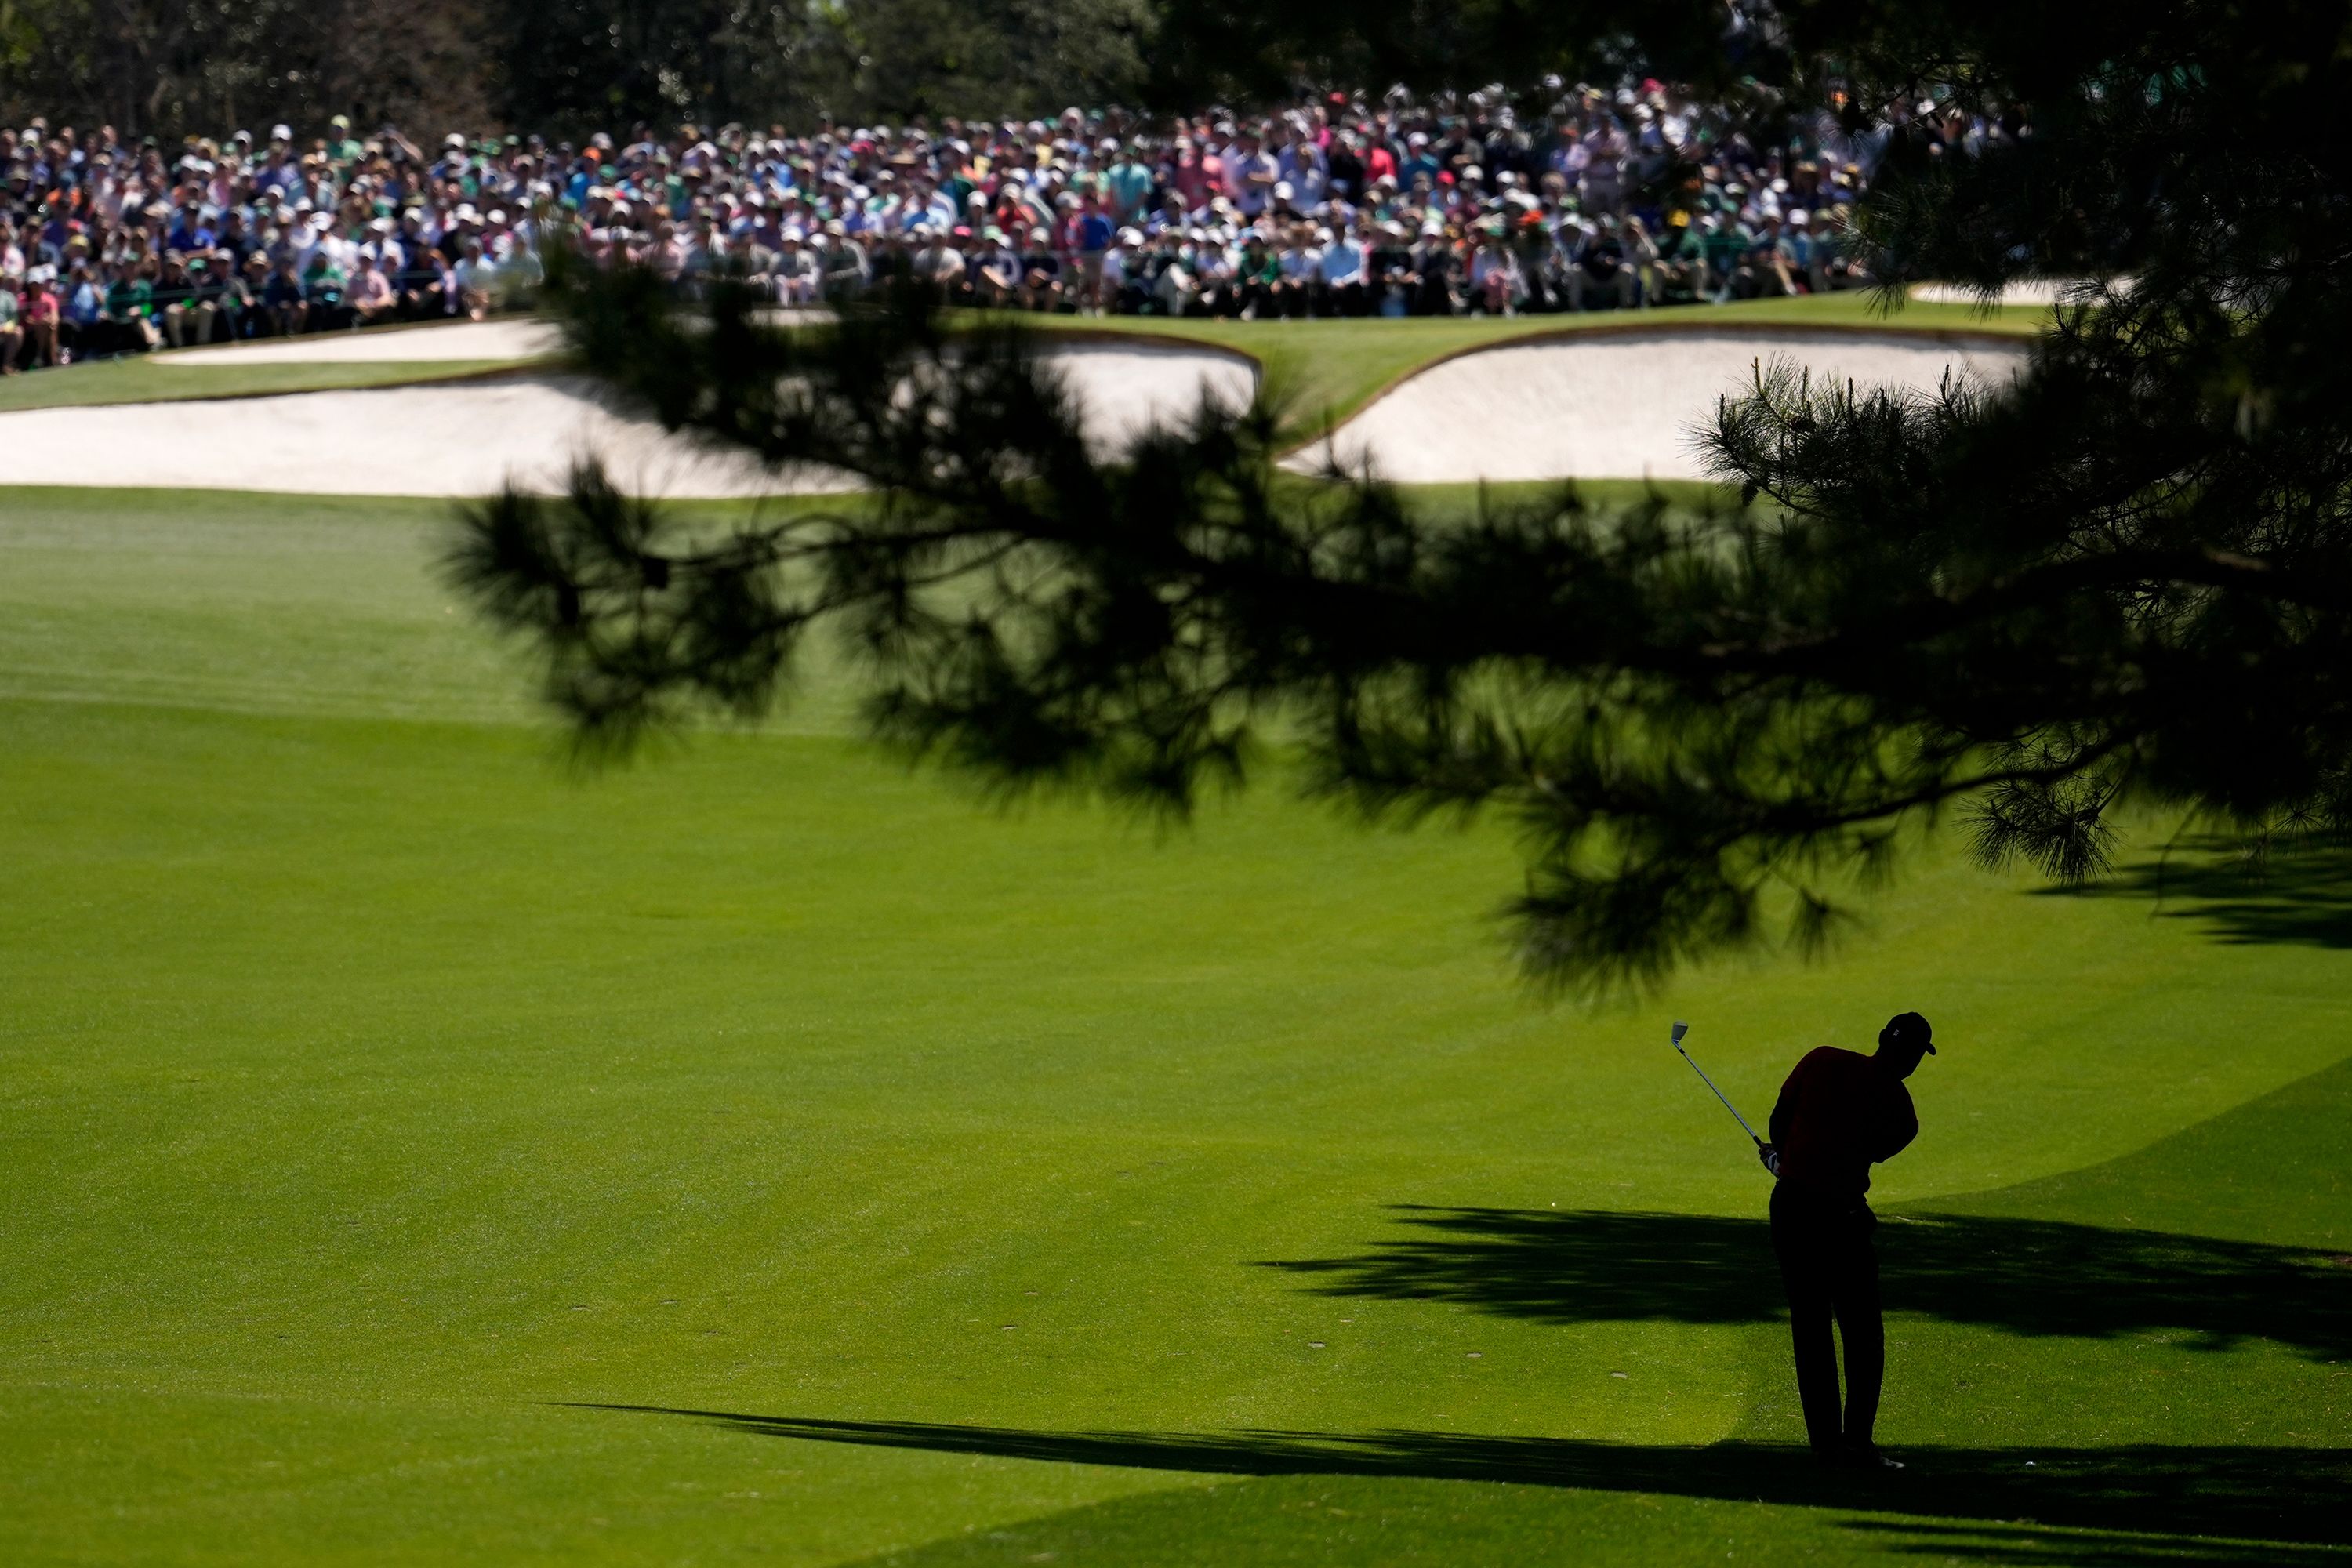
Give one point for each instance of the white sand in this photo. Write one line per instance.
(2030, 291)
(1126, 388)
(467, 439)
(508, 340)
(456, 440)
(1613, 406)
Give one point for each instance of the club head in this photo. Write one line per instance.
(1681, 1029)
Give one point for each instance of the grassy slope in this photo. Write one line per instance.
(377, 1093)
(149, 380)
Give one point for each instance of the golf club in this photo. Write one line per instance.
(1681, 1029)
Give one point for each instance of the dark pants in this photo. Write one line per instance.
(1831, 1269)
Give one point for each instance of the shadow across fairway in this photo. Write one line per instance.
(2026, 1276)
(2297, 895)
(2253, 1494)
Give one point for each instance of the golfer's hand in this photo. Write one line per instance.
(1770, 1154)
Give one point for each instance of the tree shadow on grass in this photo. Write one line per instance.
(2297, 895)
(2026, 1275)
(2035, 1546)
(2280, 1495)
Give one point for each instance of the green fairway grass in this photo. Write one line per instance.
(152, 381)
(418, 1152)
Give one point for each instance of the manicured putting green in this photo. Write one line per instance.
(320, 362)
(145, 381)
(419, 1153)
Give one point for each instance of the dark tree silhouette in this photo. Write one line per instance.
(2125, 578)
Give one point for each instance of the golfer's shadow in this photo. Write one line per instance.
(2026, 1275)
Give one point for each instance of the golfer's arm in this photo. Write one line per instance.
(1782, 1112)
(1901, 1139)
(1904, 1141)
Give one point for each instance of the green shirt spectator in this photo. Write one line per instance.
(341, 150)
(129, 299)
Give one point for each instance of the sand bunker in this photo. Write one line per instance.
(2026, 291)
(513, 340)
(1613, 406)
(428, 440)
(1126, 388)
(468, 438)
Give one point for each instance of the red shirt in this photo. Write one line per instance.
(1838, 1114)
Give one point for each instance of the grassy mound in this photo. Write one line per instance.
(145, 381)
(1327, 369)
(1324, 371)
(419, 1153)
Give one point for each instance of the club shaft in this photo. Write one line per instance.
(1718, 1094)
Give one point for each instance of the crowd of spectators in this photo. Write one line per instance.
(1341, 206)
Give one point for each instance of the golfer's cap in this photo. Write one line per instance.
(1908, 1029)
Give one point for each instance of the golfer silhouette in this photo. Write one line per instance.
(1839, 1113)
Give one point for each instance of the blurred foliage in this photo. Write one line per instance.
(562, 66)
(168, 67)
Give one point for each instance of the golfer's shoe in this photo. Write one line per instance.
(1866, 1456)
